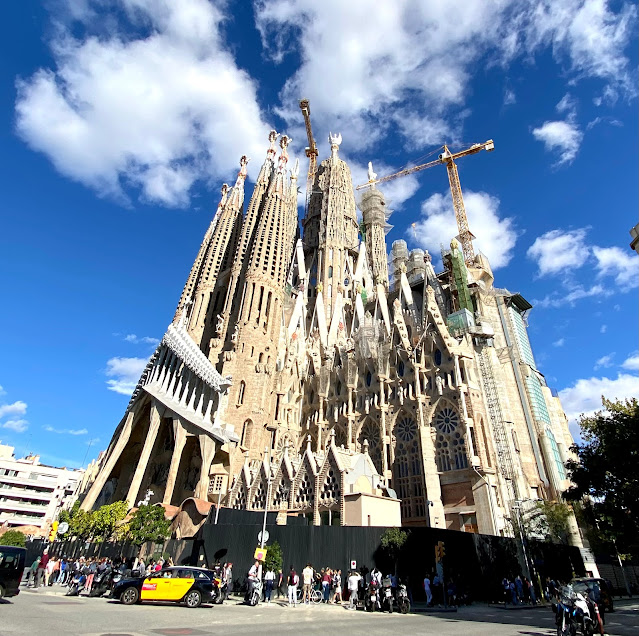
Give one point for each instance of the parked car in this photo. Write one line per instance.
(180, 584)
(11, 568)
(601, 587)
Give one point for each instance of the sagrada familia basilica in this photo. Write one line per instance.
(300, 374)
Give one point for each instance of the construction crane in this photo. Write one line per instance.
(465, 235)
(311, 150)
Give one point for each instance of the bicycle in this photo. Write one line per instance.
(316, 595)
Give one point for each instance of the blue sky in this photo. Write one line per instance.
(120, 119)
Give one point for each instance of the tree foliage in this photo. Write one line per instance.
(607, 471)
(148, 524)
(13, 537)
(552, 522)
(274, 558)
(392, 542)
(107, 518)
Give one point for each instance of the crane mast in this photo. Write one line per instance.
(465, 235)
(311, 150)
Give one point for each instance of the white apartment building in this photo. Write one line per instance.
(32, 493)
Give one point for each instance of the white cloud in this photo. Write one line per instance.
(137, 340)
(156, 111)
(124, 373)
(567, 104)
(631, 362)
(622, 264)
(571, 296)
(17, 408)
(2, 391)
(396, 192)
(563, 136)
(509, 97)
(557, 250)
(604, 361)
(18, 426)
(365, 70)
(603, 329)
(559, 343)
(66, 431)
(437, 226)
(584, 396)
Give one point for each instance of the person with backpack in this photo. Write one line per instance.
(293, 582)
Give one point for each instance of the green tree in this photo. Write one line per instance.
(606, 472)
(148, 523)
(392, 542)
(107, 518)
(13, 537)
(552, 521)
(274, 559)
(81, 524)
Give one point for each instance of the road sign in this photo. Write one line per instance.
(266, 536)
(260, 554)
(63, 528)
(353, 565)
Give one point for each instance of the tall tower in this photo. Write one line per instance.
(330, 227)
(374, 216)
(252, 348)
(210, 292)
(196, 269)
(229, 314)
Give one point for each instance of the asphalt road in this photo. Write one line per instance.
(43, 613)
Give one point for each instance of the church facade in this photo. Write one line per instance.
(291, 346)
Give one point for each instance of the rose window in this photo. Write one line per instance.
(447, 420)
(406, 429)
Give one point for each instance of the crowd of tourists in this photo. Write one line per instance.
(48, 570)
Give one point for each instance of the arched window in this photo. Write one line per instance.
(400, 368)
(370, 432)
(246, 433)
(369, 378)
(407, 468)
(438, 357)
(240, 393)
(556, 456)
(450, 444)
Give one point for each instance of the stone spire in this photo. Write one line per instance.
(374, 216)
(330, 227)
(246, 239)
(196, 268)
(210, 294)
(259, 311)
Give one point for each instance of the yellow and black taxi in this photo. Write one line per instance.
(180, 584)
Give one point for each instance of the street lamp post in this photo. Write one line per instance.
(267, 453)
(517, 509)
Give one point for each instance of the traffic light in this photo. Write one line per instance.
(54, 531)
(440, 551)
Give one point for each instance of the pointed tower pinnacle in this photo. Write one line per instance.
(196, 269)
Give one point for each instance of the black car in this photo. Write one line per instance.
(11, 568)
(179, 584)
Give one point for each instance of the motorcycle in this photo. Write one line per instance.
(76, 584)
(387, 596)
(254, 593)
(573, 612)
(403, 604)
(101, 583)
(219, 591)
(371, 600)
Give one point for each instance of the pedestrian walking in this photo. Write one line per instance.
(279, 582)
(531, 591)
(337, 585)
(293, 582)
(326, 585)
(353, 586)
(429, 593)
(228, 579)
(269, 581)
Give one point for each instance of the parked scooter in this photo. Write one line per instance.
(403, 604)
(76, 584)
(371, 600)
(219, 591)
(102, 582)
(255, 594)
(387, 595)
(575, 612)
